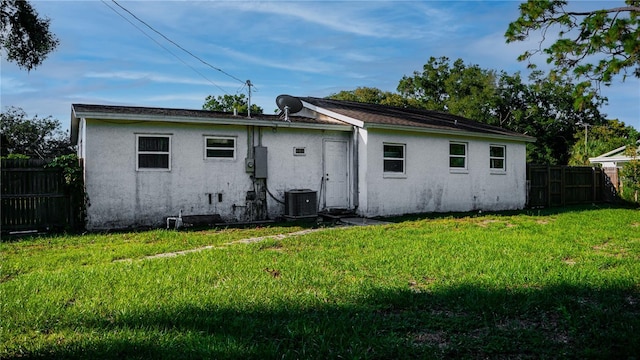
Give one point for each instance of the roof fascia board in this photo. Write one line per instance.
(612, 152)
(621, 149)
(333, 114)
(294, 125)
(524, 138)
(610, 159)
(210, 121)
(75, 124)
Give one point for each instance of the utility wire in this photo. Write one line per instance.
(176, 44)
(162, 46)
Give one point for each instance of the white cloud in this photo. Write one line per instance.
(14, 86)
(292, 63)
(154, 77)
(360, 18)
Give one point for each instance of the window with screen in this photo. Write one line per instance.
(218, 147)
(153, 152)
(458, 155)
(497, 157)
(394, 158)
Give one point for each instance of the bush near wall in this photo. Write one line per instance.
(72, 170)
(630, 177)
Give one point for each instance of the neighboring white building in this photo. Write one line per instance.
(614, 158)
(145, 164)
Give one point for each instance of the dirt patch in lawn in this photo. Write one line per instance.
(241, 241)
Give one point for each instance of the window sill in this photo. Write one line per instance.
(458, 171)
(153, 170)
(394, 175)
(498, 172)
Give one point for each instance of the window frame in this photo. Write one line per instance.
(502, 169)
(220, 137)
(465, 157)
(403, 159)
(138, 152)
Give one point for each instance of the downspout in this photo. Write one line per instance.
(260, 187)
(250, 142)
(356, 155)
(250, 200)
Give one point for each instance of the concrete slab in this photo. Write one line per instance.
(360, 221)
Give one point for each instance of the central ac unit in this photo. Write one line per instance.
(300, 203)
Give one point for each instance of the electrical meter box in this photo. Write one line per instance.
(260, 163)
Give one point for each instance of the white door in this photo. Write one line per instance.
(336, 174)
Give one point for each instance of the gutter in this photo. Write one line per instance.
(356, 169)
(240, 121)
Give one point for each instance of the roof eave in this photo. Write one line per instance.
(521, 138)
(75, 125)
(610, 159)
(208, 121)
(333, 114)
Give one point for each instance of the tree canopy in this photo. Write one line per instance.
(542, 106)
(594, 44)
(24, 35)
(465, 90)
(37, 137)
(370, 95)
(228, 103)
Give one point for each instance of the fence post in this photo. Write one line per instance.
(548, 185)
(593, 184)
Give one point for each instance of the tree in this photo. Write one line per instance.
(228, 103)
(594, 44)
(630, 173)
(37, 137)
(370, 96)
(601, 139)
(25, 36)
(468, 91)
(543, 107)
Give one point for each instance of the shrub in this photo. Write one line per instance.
(73, 173)
(630, 175)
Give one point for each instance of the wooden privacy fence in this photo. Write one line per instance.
(564, 185)
(34, 197)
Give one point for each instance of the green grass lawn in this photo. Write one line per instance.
(530, 285)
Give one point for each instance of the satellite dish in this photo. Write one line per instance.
(290, 103)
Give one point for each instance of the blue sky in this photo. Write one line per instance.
(301, 48)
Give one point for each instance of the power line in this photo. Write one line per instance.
(176, 44)
(162, 46)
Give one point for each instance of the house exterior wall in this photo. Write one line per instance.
(287, 171)
(121, 196)
(428, 184)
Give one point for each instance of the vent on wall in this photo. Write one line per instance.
(300, 203)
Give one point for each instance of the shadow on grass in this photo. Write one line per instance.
(419, 321)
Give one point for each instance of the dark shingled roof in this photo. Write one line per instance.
(370, 114)
(374, 114)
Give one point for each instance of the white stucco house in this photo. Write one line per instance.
(143, 165)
